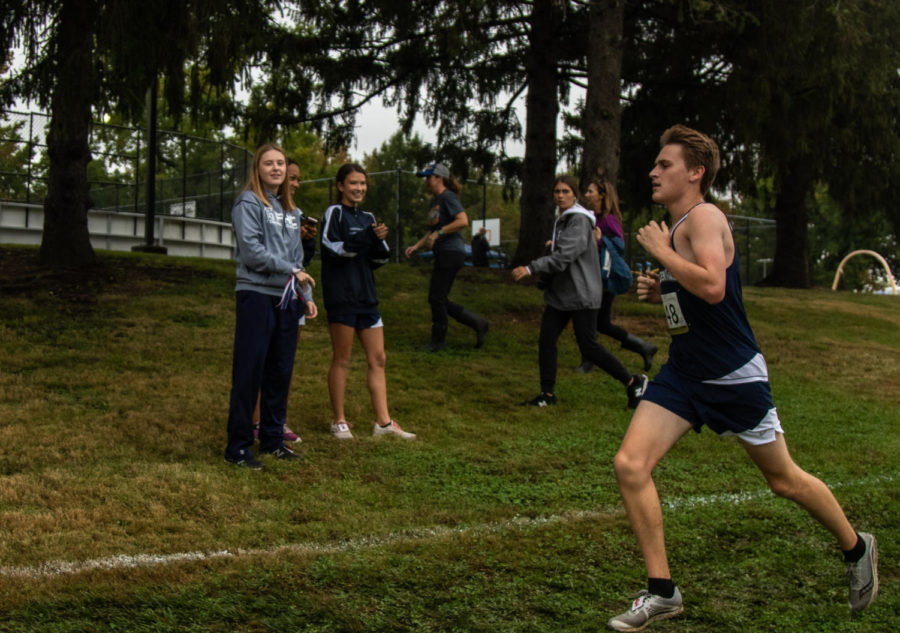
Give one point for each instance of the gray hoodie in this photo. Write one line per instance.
(267, 243)
(573, 263)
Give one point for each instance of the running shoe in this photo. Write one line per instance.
(283, 452)
(247, 461)
(391, 429)
(636, 389)
(341, 430)
(541, 400)
(862, 576)
(645, 609)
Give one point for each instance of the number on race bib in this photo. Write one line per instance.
(674, 316)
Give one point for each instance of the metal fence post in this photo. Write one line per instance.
(221, 181)
(151, 163)
(30, 156)
(137, 173)
(184, 175)
(747, 263)
(397, 240)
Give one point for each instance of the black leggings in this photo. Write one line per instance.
(446, 265)
(584, 322)
(604, 318)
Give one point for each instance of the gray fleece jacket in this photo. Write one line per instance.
(573, 263)
(266, 243)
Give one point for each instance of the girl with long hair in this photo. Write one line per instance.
(602, 199)
(573, 291)
(353, 246)
(272, 292)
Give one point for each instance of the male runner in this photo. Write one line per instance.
(715, 376)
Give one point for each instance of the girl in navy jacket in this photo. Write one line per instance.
(353, 245)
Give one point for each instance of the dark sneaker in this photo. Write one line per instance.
(542, 400)
(283, 452)
(248, 461)
(585, 367)
(636, 389)
(645, 609)
(862, 576)
(481, 330)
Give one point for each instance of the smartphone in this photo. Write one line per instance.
(310, 221)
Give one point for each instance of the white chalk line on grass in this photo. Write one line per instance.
(126, 561)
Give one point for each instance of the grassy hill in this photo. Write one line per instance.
(118, 512)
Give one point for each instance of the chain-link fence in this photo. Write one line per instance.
(398, 198)
(200, 178)
(753, 237)
(195, 177)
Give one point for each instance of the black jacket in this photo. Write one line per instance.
(350, 252)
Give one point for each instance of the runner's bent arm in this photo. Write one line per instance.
(704, 231)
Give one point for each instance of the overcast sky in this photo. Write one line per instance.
(376, 124)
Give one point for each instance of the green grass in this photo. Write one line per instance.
(113, 400)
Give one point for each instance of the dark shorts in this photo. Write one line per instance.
(365, 321)
(743, 409)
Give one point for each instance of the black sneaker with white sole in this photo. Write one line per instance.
(248, 461)
(283, 452)
(636, 389)
(541, 400)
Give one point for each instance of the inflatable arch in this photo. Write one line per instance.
(887, 269)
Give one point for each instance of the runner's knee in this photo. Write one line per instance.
(629, 469)
(789, 485)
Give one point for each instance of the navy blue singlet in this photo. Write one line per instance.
(711, 342)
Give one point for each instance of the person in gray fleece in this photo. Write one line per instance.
(573, 290)
(271, 293)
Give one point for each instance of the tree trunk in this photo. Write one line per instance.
(541, 111)
(602, 110)
(794, 182)
(66, 242)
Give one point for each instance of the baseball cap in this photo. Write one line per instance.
(438, 169)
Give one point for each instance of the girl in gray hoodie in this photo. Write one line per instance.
(272, 292)
(573, 290)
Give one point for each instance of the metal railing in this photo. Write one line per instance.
(206, 173)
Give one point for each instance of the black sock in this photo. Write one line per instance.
(662, 587)
(855, 554)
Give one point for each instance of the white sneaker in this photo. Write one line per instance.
(341, 430)
(645, 609)
(391, 429)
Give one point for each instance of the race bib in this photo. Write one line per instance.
(674, 316)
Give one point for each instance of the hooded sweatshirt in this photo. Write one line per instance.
(267, 243)
(573, 263)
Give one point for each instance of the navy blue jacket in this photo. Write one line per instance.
(350, 252)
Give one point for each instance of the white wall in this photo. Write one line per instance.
(23, 224)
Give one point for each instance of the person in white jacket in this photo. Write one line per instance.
(573, 291)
